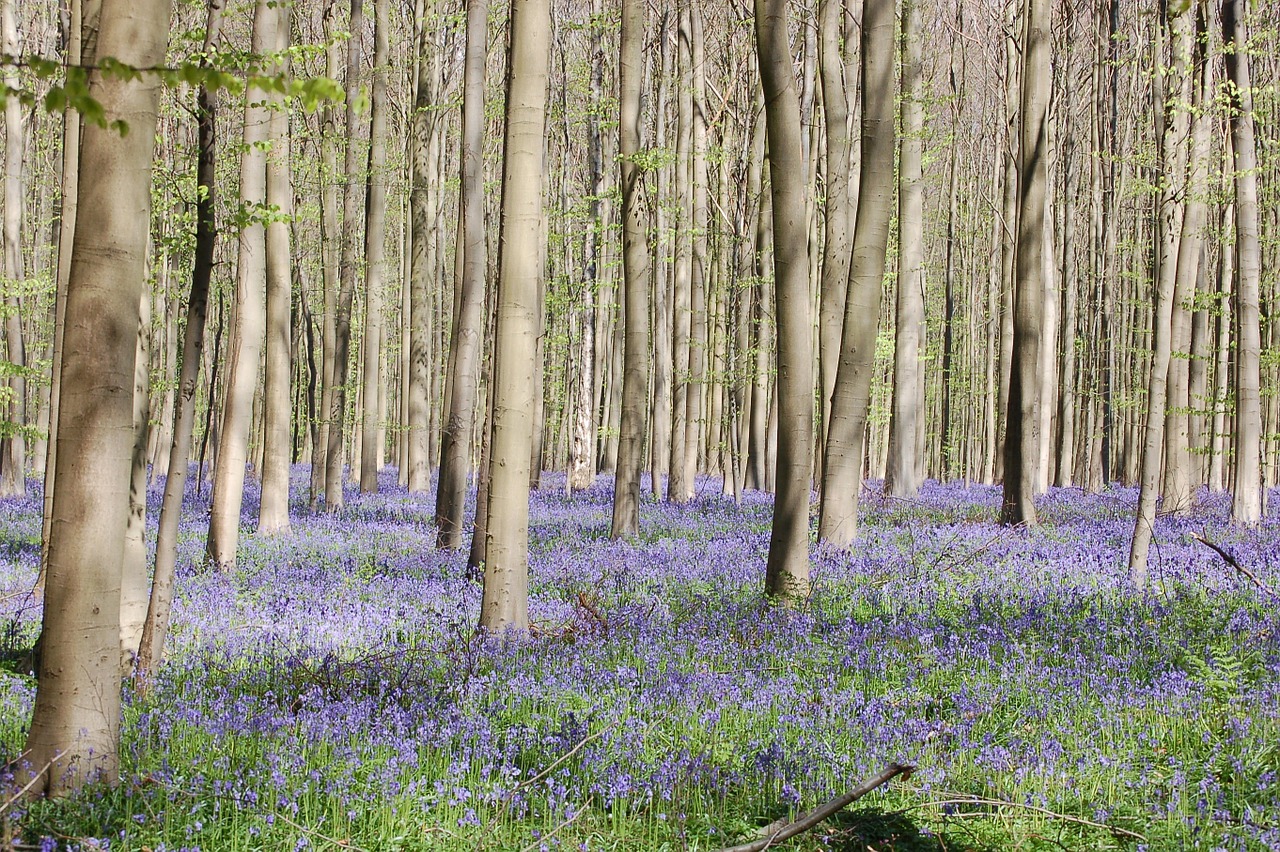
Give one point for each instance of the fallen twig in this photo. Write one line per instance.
(960, 799)
(552, 833)
(1234, 563)
(16, 797)
(561, 759)
(780, 830)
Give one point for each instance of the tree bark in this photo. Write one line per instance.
(464, 349)
(75, 728)
(375, 207)
(505, 604)
(13, 421)
(273, 512)
(635, 264)
(846, 434)
(787, 570)
(1022, 429)
(248, 327)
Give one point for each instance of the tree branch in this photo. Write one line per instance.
(780, 830)
(1234, 563)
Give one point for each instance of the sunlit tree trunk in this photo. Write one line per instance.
(635, 265)
(273, 513)
(347, 263)
(421, 261)
(156, 627)
(846, 434)
(375, 206)
(908, 404)
(787, 572)
(505, 605)
(464, 349)
(1246, 498)
(75, 728)
(13, 453)
(249, 320)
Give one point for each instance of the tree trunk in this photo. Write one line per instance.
(151, 648)
(635, 264)
(375, 210)
(908, 404)
(421, 262)
(337, 414)
(464, 349)
(1246, 498)
(249, 320)
(75, 728)
(273, 513)
(846, 434)
(787, 572)
(505, 605)
(1022, 429)
(13, 453)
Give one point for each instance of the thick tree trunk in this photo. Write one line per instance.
(635, 265)
(249, 320)
(505, 604)
(787, 572)
(846, 434)
(75, 728)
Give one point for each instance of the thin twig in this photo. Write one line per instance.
(561, 759)
(960, 799)
(34, 778)
(552, 833)
(1234, 563)
(780, 830)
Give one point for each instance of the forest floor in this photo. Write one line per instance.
(332, 693)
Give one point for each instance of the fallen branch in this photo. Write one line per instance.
(552, 833)
(561, 759)
(783, 829)
(1234, 563)
(961, 799)
(35, 778)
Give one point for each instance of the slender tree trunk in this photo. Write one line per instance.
(329, 236)
(13, 452)
(421, 262)
(505, 605)
(908, 404)
(1246, 502)
(464, 349)
(694, 389)
(73, 740)
(846, 434)
(681, 291)
(273, 513)
(249, 320)
(787, 572)
(337, 414)
(1022, 430)
(151, 649)
(374, 253)
(635, 265)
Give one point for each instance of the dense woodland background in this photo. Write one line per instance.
(1033, 243)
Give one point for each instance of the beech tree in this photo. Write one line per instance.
(506, 570)
(75, 727)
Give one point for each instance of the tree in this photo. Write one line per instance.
(75, 727)
(462, 379)
(13, 388)
(505, 604)
(1022, 429)
(787, 571)
(347, 262)
(273, 514)
(635, 260)
(842, 475)
(375, 207)
(249, 320)
(901, 477)
(1246, 496)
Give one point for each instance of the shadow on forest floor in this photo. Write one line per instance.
(875, 830)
